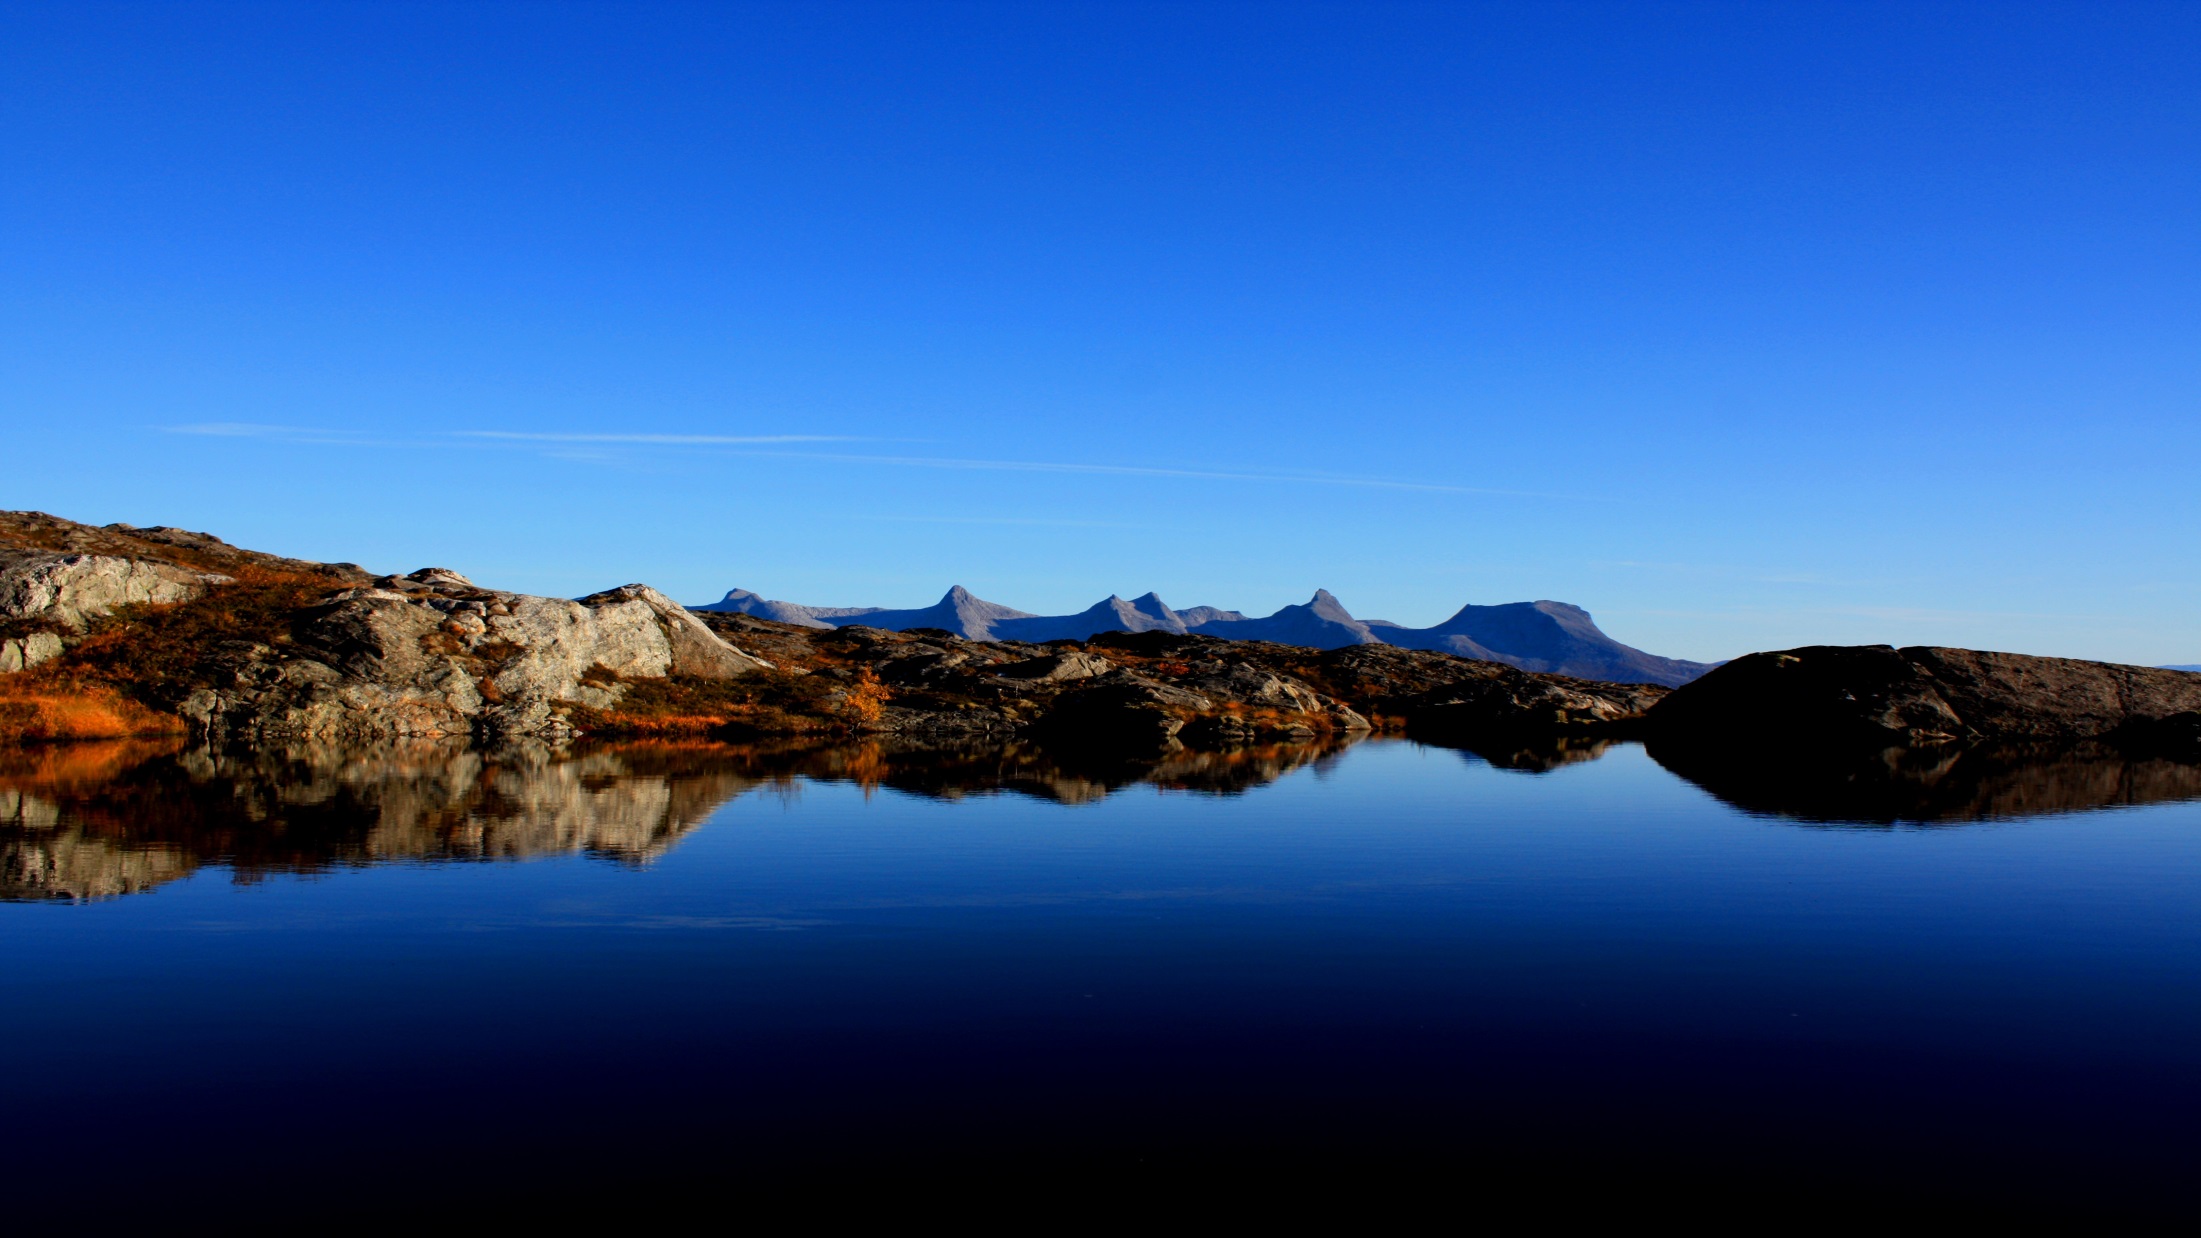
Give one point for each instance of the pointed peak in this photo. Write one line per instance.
(1321, 596)
(955, 594)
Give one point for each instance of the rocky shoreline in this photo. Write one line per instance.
(117, 630)
(108, 632)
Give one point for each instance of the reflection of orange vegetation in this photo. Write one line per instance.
(39, 712)
(671, 726)
(867, 767)
(61, 767)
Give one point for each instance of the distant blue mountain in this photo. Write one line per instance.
(1535, 636)
(2193, 667)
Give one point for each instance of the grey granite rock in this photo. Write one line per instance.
(69, 590)
(430, 656)
(24, 652)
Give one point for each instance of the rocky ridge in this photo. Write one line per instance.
(273, 649)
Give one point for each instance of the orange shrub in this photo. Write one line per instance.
(866, 699)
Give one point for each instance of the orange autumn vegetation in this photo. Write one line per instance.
(866, 699)
(150, 652)
(681, 705)
(43, 712)
(115, 683)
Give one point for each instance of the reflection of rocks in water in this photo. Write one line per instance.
(1950, 783)
(1067, 775)
(1540, 755)
(66, 864)
(93, 821)
(42, 855)
(309, 809)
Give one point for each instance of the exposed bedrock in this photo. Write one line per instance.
(48, 599)
(69, 590)
(431, 655)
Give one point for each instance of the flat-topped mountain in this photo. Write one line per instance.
(1552, 637)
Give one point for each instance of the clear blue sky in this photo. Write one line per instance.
(1743, 326)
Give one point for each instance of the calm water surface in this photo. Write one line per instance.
(432, 975)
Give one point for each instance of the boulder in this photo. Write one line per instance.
(69, 590)
(691, 647)
(20, 653)
(1057, 668)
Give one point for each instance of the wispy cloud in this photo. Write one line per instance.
(249, 429)
(746, 443)
(309, 436)
(1000, 520)
(1728, 571)
(1132, 470)
(1898, 614)
(657, 440)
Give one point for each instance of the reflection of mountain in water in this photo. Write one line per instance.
(98, 820)
(1952, 784)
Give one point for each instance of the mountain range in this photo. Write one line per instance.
(1552, 637)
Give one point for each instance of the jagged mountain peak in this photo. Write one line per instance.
(1325, 604)
(1543, 635)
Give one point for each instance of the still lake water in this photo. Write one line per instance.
(431, 976)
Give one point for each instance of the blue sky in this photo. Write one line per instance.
(1743, 326)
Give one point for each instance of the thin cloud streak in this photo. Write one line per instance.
(249, 429)
(1126, 470)
(658, 440)
(1002, 520)
(491, 438)
(306, 436)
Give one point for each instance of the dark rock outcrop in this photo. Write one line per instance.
(1877, 696)
(1878, 734)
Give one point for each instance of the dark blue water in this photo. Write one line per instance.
(1598, 984)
